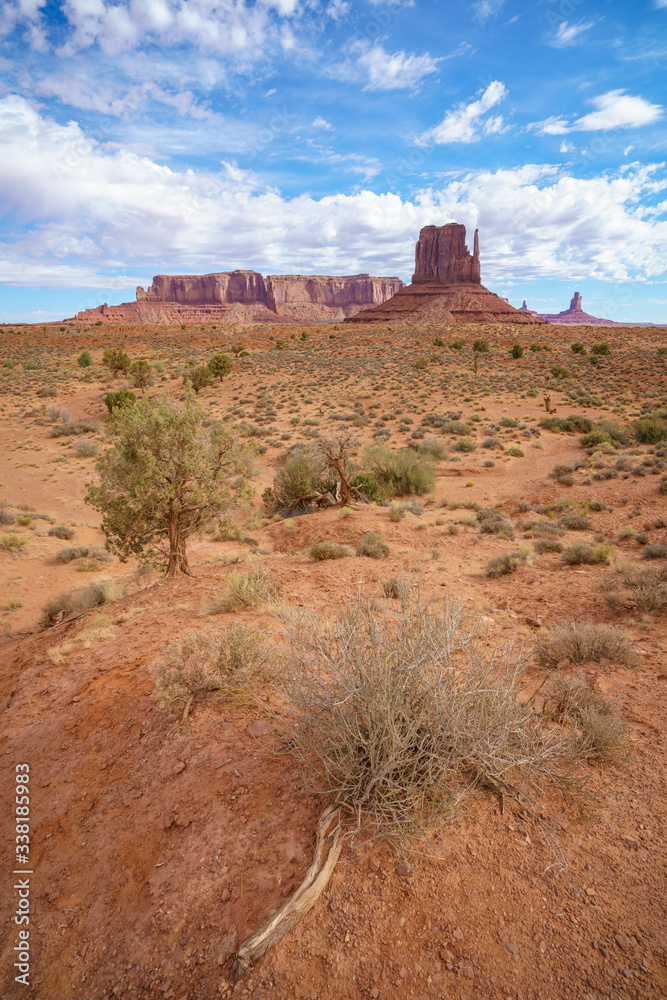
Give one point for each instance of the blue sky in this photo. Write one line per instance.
(318, 136)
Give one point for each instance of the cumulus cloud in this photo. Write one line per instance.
(616, 109)
(217, 26)
(465, 123)
(321, 122)
(393, 70)
(85, 210)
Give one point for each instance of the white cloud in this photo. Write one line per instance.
(485, 9)
(566, 147)
(464, 123)
(320, 122)
(614, 110)
(88, 210)
(628, 149)
(567, 33)
(393, 70)
(270, 93)
(337, 9)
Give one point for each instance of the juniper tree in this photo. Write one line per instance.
(167, 473)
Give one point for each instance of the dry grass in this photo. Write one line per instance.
(643, 588)
(583, 642)
(78, 602)
(208, 661)
(398, 716)
(329, 550)
(599, 731)
(246, 589)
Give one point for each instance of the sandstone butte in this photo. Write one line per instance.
(446, 286)
(247, 297)
(575, 316)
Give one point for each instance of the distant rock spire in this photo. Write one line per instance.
(575, 302)
(442, 257)
(475, 254)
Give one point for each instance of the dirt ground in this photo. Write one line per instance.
(157, 845)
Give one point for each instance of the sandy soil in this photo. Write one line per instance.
(157, 846)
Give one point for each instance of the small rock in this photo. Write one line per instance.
(590, 892)
(533, 622)
(179, 766)
(402, 869)
(225, 895)
(576, 891)
(627, 973)
(446, 956)
(512, 948)
(260, 727)
(458, 934)
(468, 971)
(374, 864)
(622, 941)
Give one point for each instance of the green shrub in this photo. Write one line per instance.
(465, 444)
(396, 514)
(370, 487)
(404, 473)
(595, 438)
(198, 378)
(601, 349)
(421, 362)
(84, 360)
(574, 424)
(559, 372)
(117, 360)
(516, 351)
(578, 348)
(13, 543)
(650, 429)
(372, 545)
(516, 451)
(220, 365)
(302, 472)
(329, 550)
(438, 342)
(119, 400)
(456, 345)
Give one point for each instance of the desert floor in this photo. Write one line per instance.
(158, 845)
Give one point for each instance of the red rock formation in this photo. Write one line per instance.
(441, 256)
(446, 286)
(575, 316)
(247, 297)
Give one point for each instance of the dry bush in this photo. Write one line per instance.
(600, 734)
(207, 661)
(249, 589)
(398, 716)
(493, 522)
(78, 602)
(395, 588)
(583, 642)
(589, 555)
(547, 545)
(329, 550)
(62, 531)
(509, 562)
(645, 588)
(372, 545)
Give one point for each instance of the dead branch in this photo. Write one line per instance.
(294, 910)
